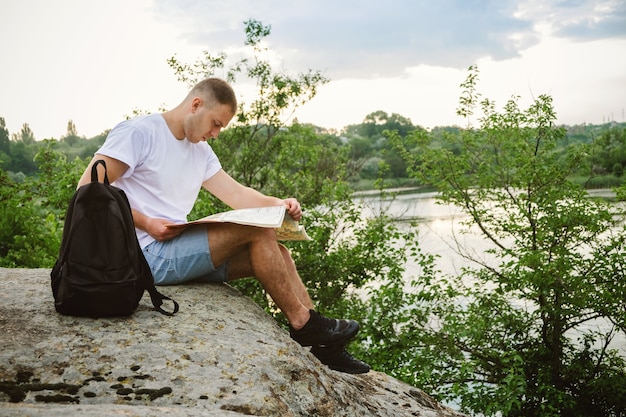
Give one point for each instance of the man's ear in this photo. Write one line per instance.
(196, 103)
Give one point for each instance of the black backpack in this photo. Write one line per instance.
(101, 270)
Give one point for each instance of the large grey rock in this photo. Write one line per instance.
(221, 355)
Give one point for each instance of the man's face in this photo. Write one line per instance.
(206, 122)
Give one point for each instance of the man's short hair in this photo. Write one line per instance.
(218, 90)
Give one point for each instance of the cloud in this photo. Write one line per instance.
(578, 20)
(367, 39)
(94, 62)
(605, 20)
(363, 38)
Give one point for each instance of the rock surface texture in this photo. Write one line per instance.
(221, 355)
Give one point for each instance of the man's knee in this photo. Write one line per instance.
(241, 233)
(260, 234)
(251, 235)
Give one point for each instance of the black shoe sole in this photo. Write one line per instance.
(338, 359)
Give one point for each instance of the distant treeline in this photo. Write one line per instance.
(371, 155)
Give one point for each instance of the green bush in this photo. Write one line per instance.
(34, 210)
(517, 336)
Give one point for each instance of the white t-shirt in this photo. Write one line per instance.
(164, 174)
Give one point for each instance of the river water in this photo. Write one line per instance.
(438, 226)
(439, 234)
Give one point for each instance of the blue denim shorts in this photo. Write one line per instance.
(185, 258)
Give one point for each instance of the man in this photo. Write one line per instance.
(161, 162)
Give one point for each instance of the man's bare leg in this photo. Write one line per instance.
(255, 252)
(240, 267)
(296, 282)
(283, 281)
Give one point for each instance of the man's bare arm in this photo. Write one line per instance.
(237, 196)
(115, 169)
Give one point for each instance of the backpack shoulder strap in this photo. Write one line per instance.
(94, 171)
(148, 283)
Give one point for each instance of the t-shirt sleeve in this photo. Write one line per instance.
(213, 164)
(128, 144)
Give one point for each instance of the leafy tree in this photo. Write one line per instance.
(5, 145)
(22, 155)
(374, 124)
(260, 151)
(516, 334)
(34, 210)
(608, 153)
(92, 145)
(4, 136)
(25, 136)
(360, 148)
(17, 150)
(279, 93)
(71, 137)
(56, 183)
(371, 168)
(368, 143)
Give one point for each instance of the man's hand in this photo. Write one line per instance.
(157, 229)
(293, 208)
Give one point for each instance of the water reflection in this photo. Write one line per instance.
(440, 233)
(439, 227)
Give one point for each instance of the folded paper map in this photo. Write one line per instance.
(272, 217)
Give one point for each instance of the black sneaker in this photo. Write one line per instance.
(320, 330)
(339, 359)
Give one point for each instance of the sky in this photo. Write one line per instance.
(96, 62)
